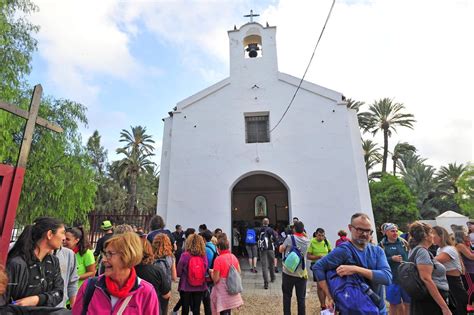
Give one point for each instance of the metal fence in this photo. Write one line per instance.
(96, 219)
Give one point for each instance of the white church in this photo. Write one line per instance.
(225, 164)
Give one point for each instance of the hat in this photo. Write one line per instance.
(106, 225)
(389, 226)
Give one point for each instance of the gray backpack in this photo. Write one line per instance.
(234, 281)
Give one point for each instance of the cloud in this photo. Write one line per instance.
(414, 51)
(81, 41)
(417, 52)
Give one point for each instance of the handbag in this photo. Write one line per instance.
(233, 281)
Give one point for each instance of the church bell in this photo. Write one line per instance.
(252, 50)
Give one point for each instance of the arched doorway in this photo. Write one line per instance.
(257, 196)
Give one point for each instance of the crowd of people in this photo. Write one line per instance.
(52, 269)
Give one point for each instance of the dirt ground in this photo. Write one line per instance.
(264, 304)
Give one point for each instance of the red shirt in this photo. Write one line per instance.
(223, 261)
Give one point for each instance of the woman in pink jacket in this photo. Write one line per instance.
(119, 291)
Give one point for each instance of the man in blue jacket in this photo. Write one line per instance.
(374, 269)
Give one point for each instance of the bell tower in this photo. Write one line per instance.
(253, 51)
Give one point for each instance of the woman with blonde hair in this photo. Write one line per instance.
(449, 257)
(164, 259)
(432, 273)
(191, 269)
(221, 301)
(119, 290)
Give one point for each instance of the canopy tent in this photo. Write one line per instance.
(449, 218)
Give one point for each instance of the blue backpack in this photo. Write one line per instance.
(351, 294)
(250, 237)
(294, 258)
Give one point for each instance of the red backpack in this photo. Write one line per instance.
(196, 271)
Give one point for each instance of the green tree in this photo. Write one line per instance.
(137, 150)
(385, 116)
(421, 180)
(16, 49)
(465, 194)
(449, 176)
(17, 44)
(371, 153)
(97, 153)
(392, 201)
(59, 179)
(400, 149)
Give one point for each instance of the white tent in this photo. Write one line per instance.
(448, 218)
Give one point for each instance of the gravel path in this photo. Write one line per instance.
(257, 300)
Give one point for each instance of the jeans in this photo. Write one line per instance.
(287, 284)
(267, 257)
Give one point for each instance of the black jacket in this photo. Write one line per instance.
(42, 278)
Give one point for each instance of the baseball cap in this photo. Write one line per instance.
(106, 225)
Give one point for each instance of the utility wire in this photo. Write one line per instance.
(309, 63)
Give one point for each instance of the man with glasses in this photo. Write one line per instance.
(370, 263)
(396, 251)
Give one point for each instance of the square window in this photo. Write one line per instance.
(257, 128)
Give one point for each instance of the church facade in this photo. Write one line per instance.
(227, 159)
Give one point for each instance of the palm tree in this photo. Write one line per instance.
(400, 149)
(361, 116)
(385, 116)
(421, 180)
(137, 150)
(449, 176)
(371, 154)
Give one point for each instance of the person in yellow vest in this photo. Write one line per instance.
(318, 248)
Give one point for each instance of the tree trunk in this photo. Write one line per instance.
(385, 150)
(133, 191)
(394, 166)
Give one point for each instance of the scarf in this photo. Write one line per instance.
(76, 250)
(113, 286)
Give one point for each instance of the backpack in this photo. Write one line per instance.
(233, 281)
(351, 294)
(265, 240)
(89, 292)
(165, 268)
(250, 237)
(326, 244)
(214, 256)
(294, 257)
(196, 271)
(409, 278)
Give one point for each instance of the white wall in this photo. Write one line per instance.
(315, 151)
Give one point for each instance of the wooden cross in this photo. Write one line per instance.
(251, 15)
(11, 178)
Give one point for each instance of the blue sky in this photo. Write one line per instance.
(130, 62)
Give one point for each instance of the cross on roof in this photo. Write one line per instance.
(251, 15)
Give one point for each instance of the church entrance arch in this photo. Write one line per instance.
(256, 196)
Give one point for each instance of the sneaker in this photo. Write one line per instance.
(265, 285)
(255, 270)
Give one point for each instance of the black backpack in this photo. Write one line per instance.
(165, 268)
(265, 239)
(409, 278)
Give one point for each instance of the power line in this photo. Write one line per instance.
(309, 63)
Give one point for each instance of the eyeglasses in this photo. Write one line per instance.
(109, 254)
(362, 231)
